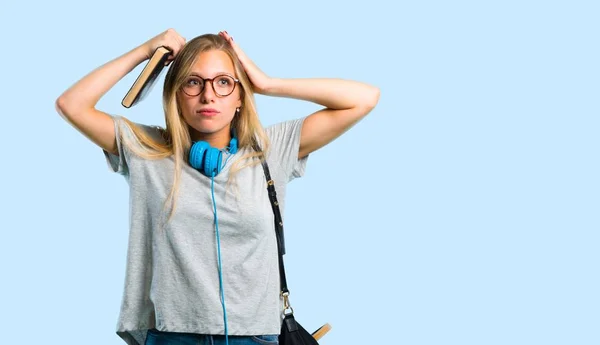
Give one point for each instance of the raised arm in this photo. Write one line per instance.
(346, 102)
(77, 105)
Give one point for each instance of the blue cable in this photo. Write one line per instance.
(212, 190)
(226, 159)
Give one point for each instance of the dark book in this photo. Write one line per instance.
(147, 78)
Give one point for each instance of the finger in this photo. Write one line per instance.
(172, 39)
(177, 45)
(238, 51)
(226, 36)
(170, 58)
(172, 49)
(230, 39)
(175, 52)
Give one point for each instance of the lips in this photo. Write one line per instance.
(207, 112)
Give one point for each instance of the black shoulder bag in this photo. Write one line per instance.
(292, 333)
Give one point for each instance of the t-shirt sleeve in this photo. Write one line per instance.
(118, 163)
(284, 147)
(124, 137)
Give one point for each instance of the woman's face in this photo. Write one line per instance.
(210, 95)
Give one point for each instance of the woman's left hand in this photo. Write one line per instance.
(260, 81)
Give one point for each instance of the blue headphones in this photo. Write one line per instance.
(207, 159)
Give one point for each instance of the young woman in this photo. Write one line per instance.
(202, 253)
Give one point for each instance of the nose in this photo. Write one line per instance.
(208, 94)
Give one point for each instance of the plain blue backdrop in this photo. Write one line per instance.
(462, 210)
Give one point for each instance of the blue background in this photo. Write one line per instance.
(462, 210)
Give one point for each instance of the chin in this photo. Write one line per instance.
(207, 128)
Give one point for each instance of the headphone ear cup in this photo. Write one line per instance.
(197, 153)
(212, 162)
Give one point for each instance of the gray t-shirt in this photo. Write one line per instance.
(171, 279)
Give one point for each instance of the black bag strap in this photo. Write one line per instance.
(275, 206)
(278, 227)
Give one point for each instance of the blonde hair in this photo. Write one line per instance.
(176, 137)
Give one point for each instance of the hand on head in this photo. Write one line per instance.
(260, 81)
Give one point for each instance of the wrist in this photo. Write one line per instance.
(142, 52)
(270, 86)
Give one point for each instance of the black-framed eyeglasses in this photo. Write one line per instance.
(223, 85)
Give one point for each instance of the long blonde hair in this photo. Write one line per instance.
(176, 137)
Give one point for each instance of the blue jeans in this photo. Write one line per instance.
(155, 337)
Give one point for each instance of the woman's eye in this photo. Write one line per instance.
(223, 81)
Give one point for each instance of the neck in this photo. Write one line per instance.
(218, 139)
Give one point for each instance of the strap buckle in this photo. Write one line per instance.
(286, 304)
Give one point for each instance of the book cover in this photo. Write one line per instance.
(147, 78)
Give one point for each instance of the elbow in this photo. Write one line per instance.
(371, 99)
(60, 105)
(374, 99)
(64, 107)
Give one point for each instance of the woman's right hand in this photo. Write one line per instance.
(169, 39)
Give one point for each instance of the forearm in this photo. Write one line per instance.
(335, 94)
(86, 93)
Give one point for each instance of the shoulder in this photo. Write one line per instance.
(284, 147)
(129, 129)
(284, 129)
